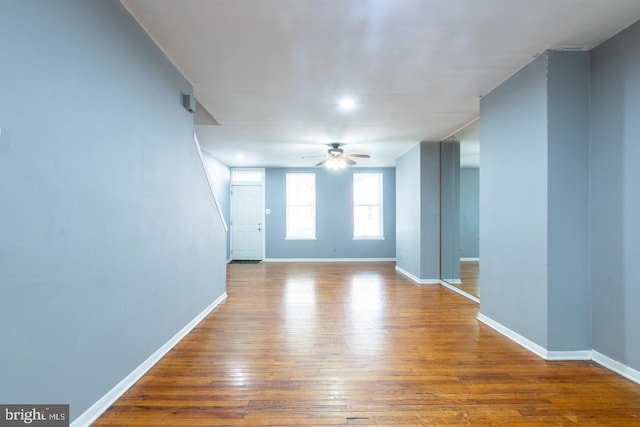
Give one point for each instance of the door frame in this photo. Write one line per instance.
(261, 183)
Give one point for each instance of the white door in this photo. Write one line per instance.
(246, 222)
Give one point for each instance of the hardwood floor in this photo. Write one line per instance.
(359, 344)
(469, 276)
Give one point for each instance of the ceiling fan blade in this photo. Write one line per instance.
(349, 161)
(363, 156)
(309, 157)
(322, 162)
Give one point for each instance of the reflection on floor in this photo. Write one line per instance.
(469, 273)
(336, 344)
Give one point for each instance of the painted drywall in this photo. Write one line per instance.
(450, 211)
(418, 211)
(513, 203)
(408, 211)
(430, 211)
(568, 201)
(107, 248)
(469, 212)
(334, 217)
(615, 197)
(534, 243)
(220, 178)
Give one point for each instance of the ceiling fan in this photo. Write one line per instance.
(336, 158)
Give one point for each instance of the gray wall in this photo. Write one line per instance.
(513, 202)
(534, 202)
(450, 210)
(568, 201)
(588, 167)
(429, 210)
(469, 210)
(220, 179)
(418, 211)
(408, 211)
(615, 197)
(107, 248)
(334, 216)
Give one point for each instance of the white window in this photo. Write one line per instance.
(301, 206)
(246, 176)
(367, 206)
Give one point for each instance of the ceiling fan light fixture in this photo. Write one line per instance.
(337, 159)
(336, 163)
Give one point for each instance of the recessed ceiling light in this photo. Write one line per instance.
(240, 156)
(347, 103)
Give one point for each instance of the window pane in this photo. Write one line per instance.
(246, 176)
(301, 205)
(366, 189)
(300, 189)
(366, 221)
(301, 221)
(367, 205)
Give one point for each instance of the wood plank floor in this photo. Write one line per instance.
(359, 344)
(469, 276)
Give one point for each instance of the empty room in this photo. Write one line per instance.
(319, 212)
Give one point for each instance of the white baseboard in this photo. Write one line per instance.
(569, 355)
(514, 336)
(98, 408)
(460, 291)
(416, 279)
(469, 259)
(437, 282)
(615, 366)
(328, 260)
(609, 363)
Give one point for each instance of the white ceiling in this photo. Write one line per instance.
(271, 72)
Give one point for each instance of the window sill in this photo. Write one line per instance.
(368, 238)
